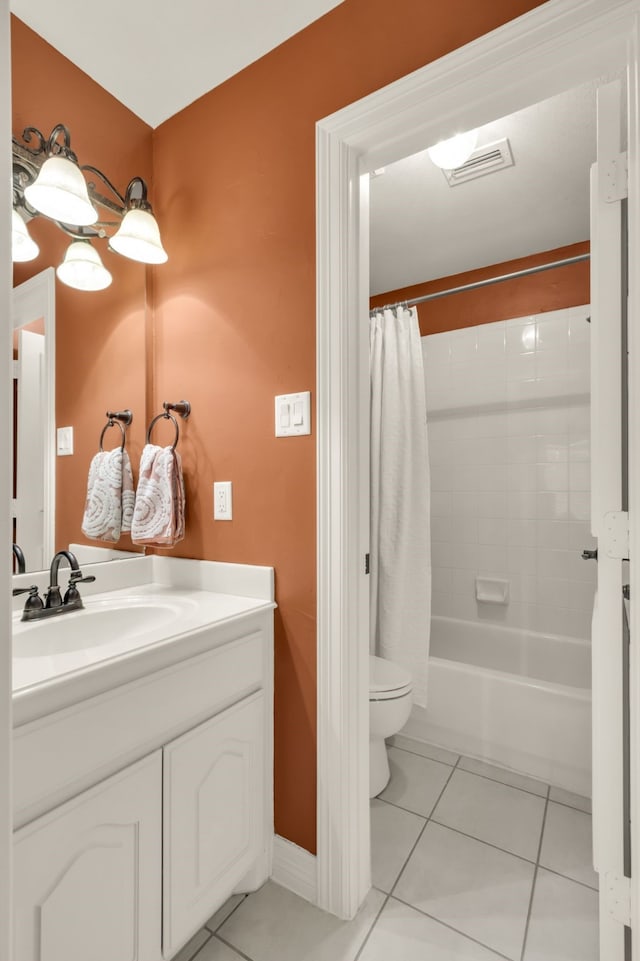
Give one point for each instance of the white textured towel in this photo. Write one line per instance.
(109, 506)
(158, 517)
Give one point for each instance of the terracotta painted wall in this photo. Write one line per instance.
(100, 360)
(234, 311)
(535, 294)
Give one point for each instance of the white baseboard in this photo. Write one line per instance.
(294, 869)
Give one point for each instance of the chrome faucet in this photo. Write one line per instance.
(19, 555)
(35, 608)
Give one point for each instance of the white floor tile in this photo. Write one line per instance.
(471, 886)
(393, 834)
(223, 913)
(192, 947)
(215, 950)
(403, 934)
(493, 812)
(421, 747)
(572, 800)
(564, 921)
(501, 774)
(566, 844)
(416, 782)
(275, 925)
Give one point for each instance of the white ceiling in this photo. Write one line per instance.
(422, 229)
(158, 56)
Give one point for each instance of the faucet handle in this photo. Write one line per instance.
(77, 577)
(34, 602)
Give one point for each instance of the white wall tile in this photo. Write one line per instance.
(441, 504)
(510, 455)
(522, 449)
(580, 476)
(492, 530)
(552, 477)
(522, 532)
(552, 448)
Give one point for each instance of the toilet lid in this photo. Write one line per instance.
(386, 676)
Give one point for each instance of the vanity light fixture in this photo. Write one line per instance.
(49, 182)
(138, 236)
(23, 247)
(82, 267)
(452, 153)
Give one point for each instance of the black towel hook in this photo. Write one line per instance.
(121, 418)
(182, 408)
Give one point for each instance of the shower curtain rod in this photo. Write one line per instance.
(486, 283)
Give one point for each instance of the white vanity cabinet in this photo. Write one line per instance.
(86, 880)
(141, 808)
(213, 816)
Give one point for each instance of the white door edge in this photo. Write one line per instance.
(554, 47)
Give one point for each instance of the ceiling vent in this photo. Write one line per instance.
(484, 160)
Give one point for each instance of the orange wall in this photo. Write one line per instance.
(100, 361)
(535, 294)
(234, 311)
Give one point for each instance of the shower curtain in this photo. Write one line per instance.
(400, 590)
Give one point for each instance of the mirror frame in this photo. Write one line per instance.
(32, 300)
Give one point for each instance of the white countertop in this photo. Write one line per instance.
(128, 631)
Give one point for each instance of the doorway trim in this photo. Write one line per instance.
(550, 49)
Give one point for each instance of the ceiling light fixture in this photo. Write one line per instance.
(48, 182)
(452, 153)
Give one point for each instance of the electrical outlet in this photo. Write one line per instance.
(222, 506)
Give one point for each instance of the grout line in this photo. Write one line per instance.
(571, 807)
(427, 757)
(489, 844)
(423, 756)
(424, 826)
(375, 921)
(444, 924)
(566, 877)
(535, 877)
(240, 953)
(487, 777)
(393, 804)
(194, 957)
(232, 911)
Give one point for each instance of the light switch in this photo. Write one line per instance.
(64, 441)
(293, 414)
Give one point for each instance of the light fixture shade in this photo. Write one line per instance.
(452, 153)
(82, 268)
(138, 238)
(23, 247)
(60, 192)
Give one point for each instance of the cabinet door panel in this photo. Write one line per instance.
(213, 815)
(87, 876)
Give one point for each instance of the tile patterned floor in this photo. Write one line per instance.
(469, 863)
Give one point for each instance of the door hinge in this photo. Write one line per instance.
(615, 179)
(615, 535)
(618, 898)
(366, 564)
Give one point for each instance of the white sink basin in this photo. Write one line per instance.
(100, 623)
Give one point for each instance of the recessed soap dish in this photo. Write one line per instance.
(492, 590)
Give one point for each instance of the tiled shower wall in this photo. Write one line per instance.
(508, 416)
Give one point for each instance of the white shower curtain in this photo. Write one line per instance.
(400, 496)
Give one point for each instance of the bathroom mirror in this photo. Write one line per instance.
(77, 353)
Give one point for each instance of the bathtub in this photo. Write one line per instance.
(519, 699)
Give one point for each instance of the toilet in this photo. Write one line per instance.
(389, 708)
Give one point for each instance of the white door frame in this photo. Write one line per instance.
(553, 48)
(6, 437)
(35, 299)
